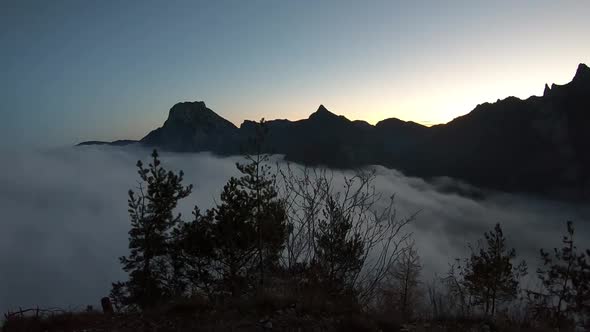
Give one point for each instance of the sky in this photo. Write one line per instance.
(81, 70)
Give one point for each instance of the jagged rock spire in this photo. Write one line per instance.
(583, 73)
(322, 113)
(547, 90)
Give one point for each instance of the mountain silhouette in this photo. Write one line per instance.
(539, 145)
(191, 126)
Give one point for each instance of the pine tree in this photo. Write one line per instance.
(268, 213)
(194, 243)
(234, 237)
(491, 276)
(153, 269)
(565, 277)
(248, 227)
(339, 249)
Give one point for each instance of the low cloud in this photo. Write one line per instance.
(63, 220)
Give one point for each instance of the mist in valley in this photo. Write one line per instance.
(64, 218)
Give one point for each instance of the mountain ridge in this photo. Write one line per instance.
(537, 145)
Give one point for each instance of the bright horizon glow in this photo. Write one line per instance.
(75, 71)
(457, 99)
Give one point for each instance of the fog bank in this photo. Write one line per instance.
(63, 220)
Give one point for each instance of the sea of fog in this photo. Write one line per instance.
(63, 218)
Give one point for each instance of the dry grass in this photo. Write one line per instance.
(285, 308)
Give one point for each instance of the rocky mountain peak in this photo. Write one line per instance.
(322, 113)
(547, 90)
(196, 114)
(188, 111)
(582, 73)
(322, 108)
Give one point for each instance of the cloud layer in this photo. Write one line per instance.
(63, 219)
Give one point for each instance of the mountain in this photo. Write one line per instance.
(122, 142)
(191, 126)
(538, 145)
(541, 144)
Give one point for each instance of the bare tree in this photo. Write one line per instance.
(458, 298)
(401, 286)
(309, 192)
(436, 298)
(304, 193)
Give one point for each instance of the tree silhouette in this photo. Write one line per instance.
(234, 236)
(339, 249)
(268, 212)
(491, 276)
(565, 278)
(194, 243)
(400, 289)
(247, 229)
(349, 234)
(153, 270)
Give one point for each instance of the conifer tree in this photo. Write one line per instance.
(195, 246)
(153, 269)
(242, 237)
(491, 277)
(234, 237)
(249, 226)
(339, 249)
(268, 212)
(565, 277)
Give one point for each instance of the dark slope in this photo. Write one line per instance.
(540, 144)
(537, 145)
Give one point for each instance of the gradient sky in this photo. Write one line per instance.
(81, 70)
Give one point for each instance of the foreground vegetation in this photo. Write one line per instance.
(293, 250)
